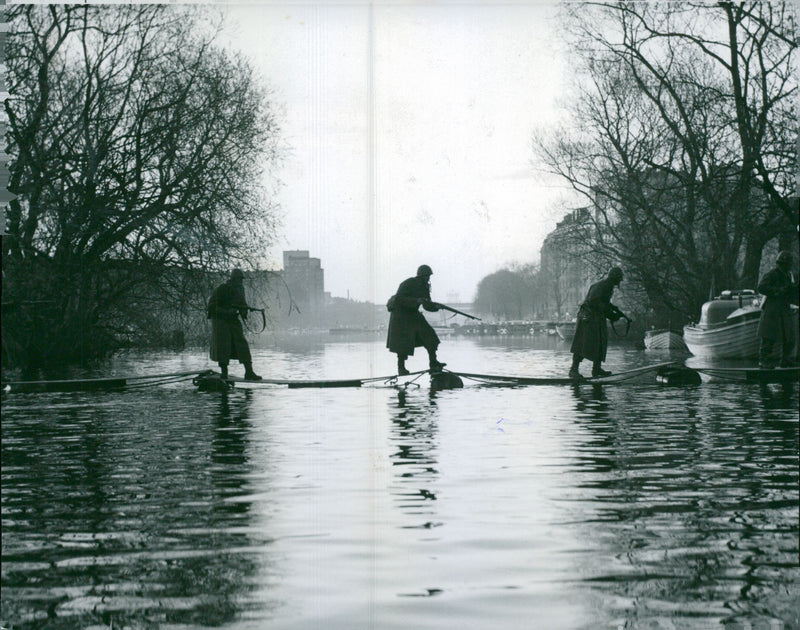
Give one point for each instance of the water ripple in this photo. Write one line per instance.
(579, 507)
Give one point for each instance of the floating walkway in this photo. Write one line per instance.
(113, 383)
(669, 373)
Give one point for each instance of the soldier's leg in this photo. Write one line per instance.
(765, 352)
(788, 354)
(597, 369)
(576, 362)
(249, 374)
(247, 361)
(433, 361)
(401, 364)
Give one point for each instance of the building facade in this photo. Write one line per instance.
(566, 266)
(305, 281)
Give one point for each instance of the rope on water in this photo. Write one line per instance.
(488, 380)
(167, 375)
(160, 381)
(392, 381)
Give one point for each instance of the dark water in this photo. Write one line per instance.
(632, 506)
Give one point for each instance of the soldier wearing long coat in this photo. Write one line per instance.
(591, 333)
(408, 328)
(777, 323)
(226, 306)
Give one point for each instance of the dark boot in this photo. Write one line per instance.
(223, 370)
(574, 373)
(434, 363)
(599, 371)
(249, 375)
(401, 367)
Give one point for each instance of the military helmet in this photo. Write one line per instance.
(615, 274)
(424, 270)
(237, 274)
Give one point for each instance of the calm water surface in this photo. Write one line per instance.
(634, 506)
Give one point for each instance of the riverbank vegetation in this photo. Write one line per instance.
(139, 150)
(680, 138)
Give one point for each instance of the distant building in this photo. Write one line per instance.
(566, 264)
(305, 279)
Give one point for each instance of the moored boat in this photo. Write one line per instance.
(566, 330)
(728, 327)
(663, 339)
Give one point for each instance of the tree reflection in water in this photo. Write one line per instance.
(124, 513)
(687, 501)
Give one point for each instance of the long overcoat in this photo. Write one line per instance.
(777, 320)
(408, 328)
(591, 333)
(226, 305)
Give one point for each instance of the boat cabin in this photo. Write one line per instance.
(718, 310)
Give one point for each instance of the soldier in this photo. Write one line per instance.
(776, 323)
(226, 305)
(591, 334)
(408, 328)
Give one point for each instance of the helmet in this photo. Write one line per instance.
(424, 270)
(237, 274)
(784, 259)
(615, 274)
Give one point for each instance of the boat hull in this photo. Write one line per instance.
(663, 340)
(738, 340)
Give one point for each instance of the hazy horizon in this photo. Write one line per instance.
(409, 130)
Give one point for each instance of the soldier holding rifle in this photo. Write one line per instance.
(226, 306)
(591, 333)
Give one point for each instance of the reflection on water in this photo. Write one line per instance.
(583, 507)
(778, 396)
(413, 437)
(111, 514)
(697, 510)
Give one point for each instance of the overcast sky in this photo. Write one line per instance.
(410, 132)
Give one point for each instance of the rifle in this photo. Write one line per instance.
(454, 310)
(614, 315)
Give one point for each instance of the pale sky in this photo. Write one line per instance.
(410, 132)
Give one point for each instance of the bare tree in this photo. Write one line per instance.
(139, 153)
(683, 140)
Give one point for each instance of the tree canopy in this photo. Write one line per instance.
(139, 150)
(682, 140)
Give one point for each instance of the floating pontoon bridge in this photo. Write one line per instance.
(670, 373)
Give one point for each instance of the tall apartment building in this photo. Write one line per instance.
(566, 267)
(305, 278)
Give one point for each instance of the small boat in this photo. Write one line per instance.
(751, 374)
(566, 330)
(728, 327)
(663, 339)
